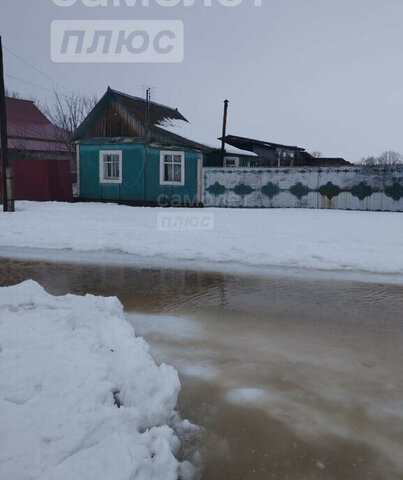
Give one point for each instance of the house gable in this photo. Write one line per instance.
(109, 118)
(121, 115)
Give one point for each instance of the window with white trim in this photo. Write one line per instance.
(172, 168)
(110, 166)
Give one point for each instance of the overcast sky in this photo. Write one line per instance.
(325, 75)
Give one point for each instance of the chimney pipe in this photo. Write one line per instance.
(224, 131)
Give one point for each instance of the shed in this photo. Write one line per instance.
(38, 152)
(136, 151)
(271, 154)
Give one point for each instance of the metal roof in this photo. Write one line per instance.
(235, 140)
(29, 129)
(138, 106)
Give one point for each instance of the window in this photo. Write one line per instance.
(172, 168)
(110, 166)
(231, 162)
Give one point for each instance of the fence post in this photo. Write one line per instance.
(10, 189)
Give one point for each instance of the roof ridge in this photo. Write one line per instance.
(133, 97)
(21, 100)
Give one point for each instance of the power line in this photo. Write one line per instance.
(36, 69)
(29, 83)
(141, 88)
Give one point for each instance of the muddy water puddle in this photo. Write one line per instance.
(289, 378)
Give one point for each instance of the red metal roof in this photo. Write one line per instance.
(29, 129)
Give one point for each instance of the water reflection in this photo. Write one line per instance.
(315, 365)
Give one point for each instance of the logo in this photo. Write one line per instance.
(185, 222)
(93, 41)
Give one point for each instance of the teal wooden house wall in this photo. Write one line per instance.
(140, 175)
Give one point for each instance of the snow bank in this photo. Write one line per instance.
(64, 364)
(298, 238)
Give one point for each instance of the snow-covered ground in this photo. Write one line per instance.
(65, 363)
(309, 239)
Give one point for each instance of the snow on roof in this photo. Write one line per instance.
(188, 131)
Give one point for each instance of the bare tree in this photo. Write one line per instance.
(369, 161)
(67, 111)
(390, 158)
(386, 158)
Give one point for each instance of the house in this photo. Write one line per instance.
(135, 151)
(38, 153)
(271, 154)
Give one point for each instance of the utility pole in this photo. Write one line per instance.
(224, 131)
(3, 131)
(148, 98)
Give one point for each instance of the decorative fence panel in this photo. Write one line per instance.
(352, 188)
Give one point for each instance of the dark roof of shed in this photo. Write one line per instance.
(236, 140)
(338, 159)
(331, 160)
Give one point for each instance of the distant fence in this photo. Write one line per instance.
(345, 188)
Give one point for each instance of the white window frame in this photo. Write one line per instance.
(101, 166)
(162, 169)
(236, 162)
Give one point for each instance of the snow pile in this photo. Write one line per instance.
(65, 365)
(185, 129)
(311, 239)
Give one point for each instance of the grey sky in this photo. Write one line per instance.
(322, 74)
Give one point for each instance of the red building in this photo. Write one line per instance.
(38, 152)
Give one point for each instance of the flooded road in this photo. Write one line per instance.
(290, 378)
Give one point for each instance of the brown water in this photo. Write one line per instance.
(290, 378)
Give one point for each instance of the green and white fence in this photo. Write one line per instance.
(352, 188)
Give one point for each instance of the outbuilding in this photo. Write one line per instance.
(269, 154)
(38, 152)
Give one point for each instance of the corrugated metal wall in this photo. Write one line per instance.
(42, 180)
